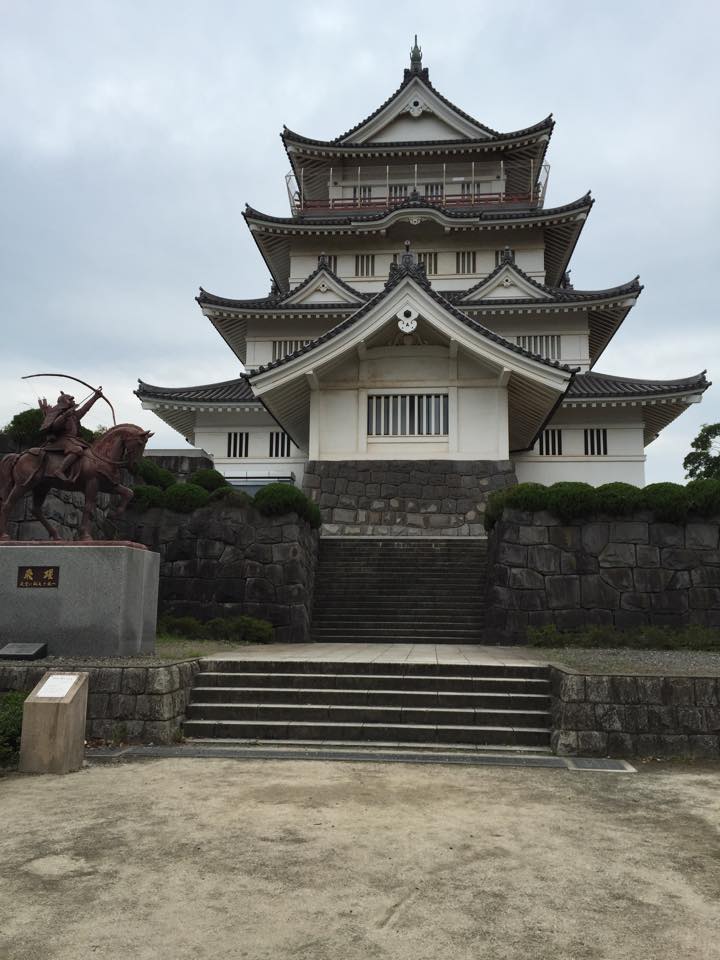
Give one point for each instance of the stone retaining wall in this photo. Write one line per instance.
(64, 510)
(622, 573)
(400, 498)
(229, 561)
(144, 703)
(640, 716)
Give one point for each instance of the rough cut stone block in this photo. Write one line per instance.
(532, 535)
(595, 537)
(620, 578)
(610, 716)
(544, 558)
(678, 559)
(678, 691)
(571, 686)
(567, 538)
(629, 532)
(598, 594)
(629, 619)
(704, 747)
(706, 691)
(705, 577)
(703, 535)
(578, 715)
(651, 580)
(624, 689)
(648, 556)
(562, 591)
(597, 689)
(512, 554)
(564, 743)
(620, 744)
(523, 579)
(667, 535)
(592, 743)
(618, 555)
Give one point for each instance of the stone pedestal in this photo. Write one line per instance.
(53, 731)
(82, 599)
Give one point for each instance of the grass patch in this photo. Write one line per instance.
(11, 711)
(641, 638)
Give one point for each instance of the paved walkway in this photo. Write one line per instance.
(386, 653)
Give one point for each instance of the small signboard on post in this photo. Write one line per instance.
(53, 727)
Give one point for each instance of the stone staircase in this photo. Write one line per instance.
(400, 591)
(453, 705)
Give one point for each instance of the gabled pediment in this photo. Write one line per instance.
(323, 287)
(416, 112)
(507, 282)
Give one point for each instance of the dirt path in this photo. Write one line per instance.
(195, 859)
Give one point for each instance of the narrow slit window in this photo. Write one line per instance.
(596, 442)
(280, 444)
(408, 415)
(365, 265)
(237, 444)
(550, 443)
(465, 262)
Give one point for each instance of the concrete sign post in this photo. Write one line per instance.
(53, 728)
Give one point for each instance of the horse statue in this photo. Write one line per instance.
(98, 471)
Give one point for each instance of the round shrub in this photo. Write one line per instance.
(242, 629)
(230, 497)
(570, 501)
(668, 501)
(277, 499)
(148, 496)
(154, 475)
(704, 496)
(188, 627)
(618, 499)
(185, 497)
(209, 480)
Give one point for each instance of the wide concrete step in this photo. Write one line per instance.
(374, 698)
(398, 667)
(367, 713)
(385, 732)
(365, 681)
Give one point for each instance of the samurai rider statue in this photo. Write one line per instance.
(61, 427)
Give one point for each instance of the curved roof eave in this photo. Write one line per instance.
(381, 218)
(593, 386)
(237, 390)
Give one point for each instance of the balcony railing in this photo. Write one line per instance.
(368, 192)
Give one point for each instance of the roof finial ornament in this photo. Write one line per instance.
(416, 58)
(323, 260)
(508, 254)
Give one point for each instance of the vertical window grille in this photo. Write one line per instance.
(550, 443)
(465, 261)
(279, 444)
(499, 256)
(407, 415)
(237, 444)
(331, 259)
(545, 344)
(466, 190)
(434, 191)
(431, 262)
(282, 348)
(398, 191)
(362, 195)
(596, 442)
(365, 265)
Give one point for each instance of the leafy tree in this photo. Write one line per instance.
(703, 462)
(24, 429)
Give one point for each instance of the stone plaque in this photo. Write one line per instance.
(23, 651)
(57, 685)
(40, 577)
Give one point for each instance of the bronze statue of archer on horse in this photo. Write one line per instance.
(65, 461)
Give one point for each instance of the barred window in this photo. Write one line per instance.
(282, 348)
(434, 191)
(465, 261)
(596, 442)
(550, 443)
(280, 444)
(407, 415)
(546, 344)
(365, 265)
(431, 262)
(237, 444)
(331, 260)
(398, 191)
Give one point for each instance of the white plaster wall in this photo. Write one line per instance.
(625, 460)
(477, 407)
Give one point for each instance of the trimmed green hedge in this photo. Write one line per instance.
(11, 711)
(240, 629)
(272, 500)
(209, 480)
(154, 475)
(670, 502)
(276, 499)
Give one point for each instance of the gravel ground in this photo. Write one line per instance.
(669, 663)
(226, 860)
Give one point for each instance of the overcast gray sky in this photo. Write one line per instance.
(132, 134)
